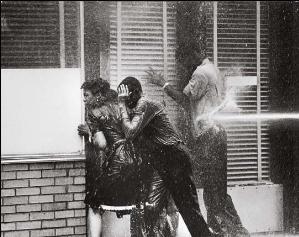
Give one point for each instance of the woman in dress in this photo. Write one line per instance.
(122, 177)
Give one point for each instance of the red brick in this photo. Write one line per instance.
(15, 183)
(76, 221)
(15, 200)
(27, 191)
(54, 206)
(41, 233)
(16, 217)
(79, 213)
(79, 180)
(43, 166)
(8, 175)
(41, 182)
(17, 234)
(54, 223)
(7, 192)
(29, 174)
(14, 167)
(76, 188)
(76, 205)
(80, 230)
(64, 214)
(63, 197)
(41, 215)
(29, 225)
(8, 209)
(64, 231)
(54, 173)
(41, 199)
(7, 226)
(76, 172)
(53, 189)
(64, 165)
(79, 196)
(29, 208)
(64, 181)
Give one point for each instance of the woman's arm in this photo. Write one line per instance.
(99, 140)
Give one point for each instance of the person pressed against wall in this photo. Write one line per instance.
(118, 176)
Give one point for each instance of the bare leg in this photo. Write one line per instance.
(94, 224)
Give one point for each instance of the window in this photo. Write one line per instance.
(39, 34)
(241, 44)
(40, 79)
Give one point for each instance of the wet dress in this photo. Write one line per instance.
(124, 177)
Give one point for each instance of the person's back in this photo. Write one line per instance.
(159, 129)
(204, 92)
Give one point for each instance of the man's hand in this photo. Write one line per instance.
(155, 77)
(83, 130)
(123, 93)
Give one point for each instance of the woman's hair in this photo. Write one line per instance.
(135, 90)
(100, 88)
(96, 86)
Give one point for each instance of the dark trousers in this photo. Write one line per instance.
(174, 166)
(222, 216)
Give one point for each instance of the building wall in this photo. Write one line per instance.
(43, 199)
(47, 199)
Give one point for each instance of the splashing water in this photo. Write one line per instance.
(230, 111)
(256, 117)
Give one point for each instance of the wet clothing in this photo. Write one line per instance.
(210, 149)
(221, 214)
(124, 178)
(204, 92)
(149, 128)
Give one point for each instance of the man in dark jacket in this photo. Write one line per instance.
(146, 124)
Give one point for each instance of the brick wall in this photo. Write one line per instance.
(43, 199)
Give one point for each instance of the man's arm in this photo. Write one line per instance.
(177, 96)
(130, 126)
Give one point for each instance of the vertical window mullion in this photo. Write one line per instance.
(119, 24)
(258, 89)
(62, 34)
(215, 38)
(165, 38)
(82, 57)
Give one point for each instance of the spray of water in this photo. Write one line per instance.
(229, 111)
(256, 117)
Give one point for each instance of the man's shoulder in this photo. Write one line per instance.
(148, 106)
(149, 102)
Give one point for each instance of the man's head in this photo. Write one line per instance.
(135, 90)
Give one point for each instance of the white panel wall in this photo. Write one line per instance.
(40, 111)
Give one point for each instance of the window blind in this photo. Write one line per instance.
(143, 36)
(30, 34)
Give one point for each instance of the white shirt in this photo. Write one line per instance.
(203, 90)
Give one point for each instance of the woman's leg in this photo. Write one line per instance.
(94, 223)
